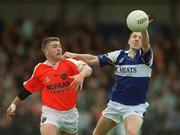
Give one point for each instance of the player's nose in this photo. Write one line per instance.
(137, 39)
(59, 49)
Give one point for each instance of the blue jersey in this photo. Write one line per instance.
(132, 76)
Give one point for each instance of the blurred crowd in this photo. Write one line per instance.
(20, 51)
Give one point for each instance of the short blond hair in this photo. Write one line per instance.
(48, 40)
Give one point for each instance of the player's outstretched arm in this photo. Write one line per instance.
(88, 58)
(145, 38)
(145, 41)
(10, 112)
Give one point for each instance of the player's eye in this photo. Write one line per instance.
(134, 36)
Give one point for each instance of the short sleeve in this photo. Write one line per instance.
(78, 63)
(109, 58)
(148, 57)
(33, 84)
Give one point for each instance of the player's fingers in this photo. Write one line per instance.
(9, 117)
(9, 114)
(77, 86)
(73, 83)
(72, 77)
(81, 86)
(63, 57)
(74, 86)
(150, 19)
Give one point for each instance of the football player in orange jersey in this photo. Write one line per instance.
(58, 79)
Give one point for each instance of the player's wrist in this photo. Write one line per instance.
(13, 107)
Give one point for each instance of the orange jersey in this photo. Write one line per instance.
(54, 82)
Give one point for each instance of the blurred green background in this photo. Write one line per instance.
(88, 26)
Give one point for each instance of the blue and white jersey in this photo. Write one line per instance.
(132, 76)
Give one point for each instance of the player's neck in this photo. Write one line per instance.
(132, 53)
(52, 61)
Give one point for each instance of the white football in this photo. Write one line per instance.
(137, 21)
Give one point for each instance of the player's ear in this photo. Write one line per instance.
(46, 51)
(129, 41)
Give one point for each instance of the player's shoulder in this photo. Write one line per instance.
(75, 61)
(117, 53)
(40, 66)
(37, 69)
(67, 61)
(124, 51)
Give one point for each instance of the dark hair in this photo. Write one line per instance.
(48, 40)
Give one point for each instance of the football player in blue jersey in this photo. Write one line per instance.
(133, 69)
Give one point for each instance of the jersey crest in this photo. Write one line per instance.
(63, 75)
(47, 79)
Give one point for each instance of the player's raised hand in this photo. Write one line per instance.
(77, 82)
(151, 19)
(10, 112)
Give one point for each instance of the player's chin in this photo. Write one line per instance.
(58, 57)
(136, 47)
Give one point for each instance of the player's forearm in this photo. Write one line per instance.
(86, 71)
(88, 58)
(16, 101)
(23, 94)
(145, 40)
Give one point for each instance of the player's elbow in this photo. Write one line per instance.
(94, 60)
(89, 70)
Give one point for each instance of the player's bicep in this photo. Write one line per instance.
(33, 84)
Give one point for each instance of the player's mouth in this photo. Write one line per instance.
(136, 44)
(58, 53)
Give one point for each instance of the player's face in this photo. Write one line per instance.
(135, 40)
(54, 50)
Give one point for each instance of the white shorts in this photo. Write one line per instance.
(117, 112)
(64, 120)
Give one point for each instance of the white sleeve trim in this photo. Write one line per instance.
(78, 63)
(113, 55)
